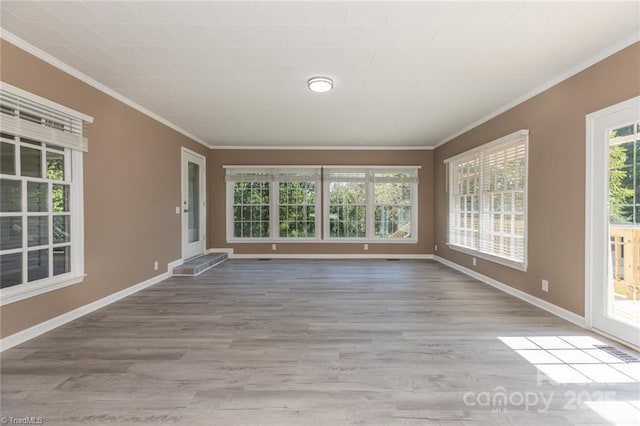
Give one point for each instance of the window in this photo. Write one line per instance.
(297, 203)
(41, 243)
(282, 203)
(347, 197)
(275, 203)
(371, 203)
(487, 200)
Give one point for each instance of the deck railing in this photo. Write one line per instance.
(625, 256)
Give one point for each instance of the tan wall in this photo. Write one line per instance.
(216, 190)
(131, 187)
(556, 121)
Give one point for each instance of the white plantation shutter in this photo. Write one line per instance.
(30, 116)
(487, 189)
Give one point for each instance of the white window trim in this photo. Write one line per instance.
(521, 266)
(26, 290)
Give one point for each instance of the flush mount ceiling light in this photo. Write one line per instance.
(320, 84)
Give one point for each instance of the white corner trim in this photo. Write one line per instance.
(336, 256)
(603, 54)
(40, 54)
(38, 329)
(325, 147)
(542, 304)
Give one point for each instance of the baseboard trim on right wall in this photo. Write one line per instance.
(542, 304)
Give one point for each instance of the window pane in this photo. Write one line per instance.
(38, 265)
(30, 162)
(10, 270)
(10, 233)
(38, 230)
(10, 195)
(392, 222)
(55, 166)
(392, 193)
(7, 159)
(60, 198)
(37, 197)
(61, 229)
(297, 209)
(61, 260)
(251, 209)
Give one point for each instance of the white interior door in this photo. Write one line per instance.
(613, 220)
(193, 204)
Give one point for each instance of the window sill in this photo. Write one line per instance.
(24, 291)
(325, 241)
(495, 259)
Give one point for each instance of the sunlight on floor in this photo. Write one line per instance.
(581, 359)
(573, 359)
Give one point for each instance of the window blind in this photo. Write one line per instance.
(28, 115)
(268, 174)
(402, 174)
(487, 189)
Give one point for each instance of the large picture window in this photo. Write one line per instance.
(41, 224)
(282, 203)
(487, 200)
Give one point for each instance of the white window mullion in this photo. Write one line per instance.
(25, 232)
(370, 209)
(274, 210)
(325, 209)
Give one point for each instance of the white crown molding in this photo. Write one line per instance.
(40, 54)
(603, 54)
(38, 329)
(325, 147)
(542, 304)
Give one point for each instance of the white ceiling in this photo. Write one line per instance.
(406, 73)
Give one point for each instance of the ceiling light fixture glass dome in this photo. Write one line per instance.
(320, 84)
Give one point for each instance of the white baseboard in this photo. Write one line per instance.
(38, 329)
(542, 304)
(331, 256)
(229, 251)
(173, 265)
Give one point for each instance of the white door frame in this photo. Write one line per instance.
(183, 198)
(597, 217)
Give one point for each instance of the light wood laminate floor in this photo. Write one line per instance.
(308, 343)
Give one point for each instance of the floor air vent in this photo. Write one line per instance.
(618, 353)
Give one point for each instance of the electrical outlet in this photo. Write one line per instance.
(475, 262)
(545, 286)
(436, 247)
(155, 265)
(366, 246)
(273, 247)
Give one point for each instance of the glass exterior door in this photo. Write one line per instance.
(193, 205)
(613, 221)
(623, 286)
